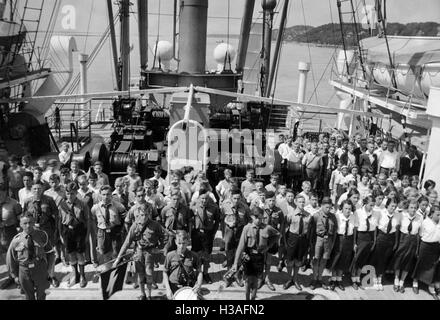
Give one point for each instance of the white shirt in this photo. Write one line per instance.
(389, 159)
(422, 214)
(342, 222)
(397, 184)
(24, 194)
(339, 152)
(430, 231)
(378, 152)
(361, 223)
(64, 156)
(384, 219)
(342, 198)
(416, 223)
(284, 149)
(370, 156)
(312, 210)
(364, 190)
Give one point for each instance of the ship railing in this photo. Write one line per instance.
(72, 123)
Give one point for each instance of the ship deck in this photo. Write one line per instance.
(216, 291)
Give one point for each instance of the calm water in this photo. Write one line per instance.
(101, 76)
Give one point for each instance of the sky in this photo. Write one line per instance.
(315, 13)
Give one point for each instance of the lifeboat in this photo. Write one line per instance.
(416, 62)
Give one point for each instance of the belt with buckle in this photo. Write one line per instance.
(29, 265)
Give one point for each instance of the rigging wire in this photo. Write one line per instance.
(88, 25)
(228, 55)
(279, 56)
(309, 51)
(158, 35)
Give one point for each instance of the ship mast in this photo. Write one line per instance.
(268, 12)
(111, 21)
(125, 44)
(143, 32)
(244, 34)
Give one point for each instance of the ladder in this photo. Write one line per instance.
(29, 26)
(347, 8)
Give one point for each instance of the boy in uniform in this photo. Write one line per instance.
(109, 218)
(206, 222)
(27, 259)
(182, 267)
(236, 215)
(175, 216)
(297, 240)
(273, 216)
(323, 237)
(74, 228)
(10, 211)
(45, 213)
(256, 238)
(148, 235)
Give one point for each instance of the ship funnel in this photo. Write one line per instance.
(224, 55)
(164, 50)
(192, 36)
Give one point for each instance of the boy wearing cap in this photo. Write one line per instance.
(255, 240)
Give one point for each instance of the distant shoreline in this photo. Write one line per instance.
(313, 44)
